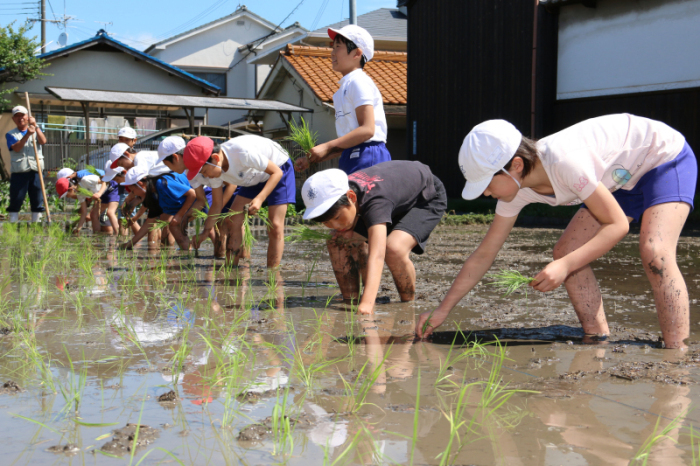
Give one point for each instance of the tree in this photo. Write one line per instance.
(18, 64)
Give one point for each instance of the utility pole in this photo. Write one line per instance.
(43, 25)
(353, 12)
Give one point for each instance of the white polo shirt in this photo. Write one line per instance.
(92, 183)
(247, 161)
(150, 159)
(358, 89)
(616, 150)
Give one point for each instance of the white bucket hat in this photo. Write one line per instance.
(358, 35)
(110, 172)
(135, 174)
(64, 173)
(485, 151)
(322, 190)
(170, 146)
(127, 132)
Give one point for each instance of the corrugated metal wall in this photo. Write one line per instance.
(470, 61)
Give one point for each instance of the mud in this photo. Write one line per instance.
(127, 438)
(167, 397)
(10, 388)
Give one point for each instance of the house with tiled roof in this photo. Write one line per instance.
(220, 52)
(304, 76)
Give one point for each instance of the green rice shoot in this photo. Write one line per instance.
(159, 225)
(304, 233)
(510, 281)
(84, 192)
(302, 135)
(93, 170)
(248, 238)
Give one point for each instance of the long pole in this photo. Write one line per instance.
(38, 163)
(43, 26)
(353, 12)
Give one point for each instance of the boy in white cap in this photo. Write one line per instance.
(625, 168)
(67, 187)
(379, 214)
(359, 109)
(127, 136)
(24, 171)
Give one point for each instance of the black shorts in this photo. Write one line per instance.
(420, 221)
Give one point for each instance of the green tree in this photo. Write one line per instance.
(18, 64)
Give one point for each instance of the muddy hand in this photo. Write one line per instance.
(427, 322)
(301, 164)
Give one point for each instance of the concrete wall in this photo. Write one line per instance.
(628, 46)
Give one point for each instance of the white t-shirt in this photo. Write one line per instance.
(357, 89)
(92, 183)
(247, 161)
(150, 159)
(616, 150)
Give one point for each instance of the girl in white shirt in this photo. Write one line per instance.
(625, 168)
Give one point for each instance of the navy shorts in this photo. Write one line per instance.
(227, 207)
(672, 181)
(284, 193)
(363, 156)
(111, 194)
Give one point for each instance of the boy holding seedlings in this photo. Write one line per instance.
(170, 153)
(625, 168)
(393, 207)
(168, 197)
(84, 188)
(359, 109)
(262, 171)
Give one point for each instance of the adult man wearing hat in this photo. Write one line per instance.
(25, 173)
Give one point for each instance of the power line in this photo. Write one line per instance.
(187, 25)
(319, 14)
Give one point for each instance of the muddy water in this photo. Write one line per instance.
(204, 359)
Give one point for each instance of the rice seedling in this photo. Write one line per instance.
(84, 192)
(304, 233)
(358, 390)
(642, 456)
(159, 225)
(92, 170)
(199, 216)
(73, 392)
(302, 135)
(443, 379)
(510, 281)
(282, 425)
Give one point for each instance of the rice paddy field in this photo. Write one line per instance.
(155, 356)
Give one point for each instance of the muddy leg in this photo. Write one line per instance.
(234, 247)
(349, 261)
(275, 247)
(581, 285)
(221, 239)
(398, 247)
(658, 239)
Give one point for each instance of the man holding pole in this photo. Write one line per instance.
(22, 142)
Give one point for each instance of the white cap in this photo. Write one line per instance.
(358, 35)
(169, 146)
(64, 173)
(110, 172)
(117, 151)
(488, 147)
(127, 132)
(135, 174)
(20, 109)
(322, 190)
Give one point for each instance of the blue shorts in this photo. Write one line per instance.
(672, 181)
(284, 193)
(207, 194)
(364, 155)
(111, 194)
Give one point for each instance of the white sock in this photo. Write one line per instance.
(36, 217)
(14, 217)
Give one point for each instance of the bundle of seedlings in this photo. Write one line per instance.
(302, 135)
(92, 170)
(304, 233)
(159, 225)
(510, 281)
(248, 238)
(83, 192)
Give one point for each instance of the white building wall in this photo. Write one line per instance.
(628, 46)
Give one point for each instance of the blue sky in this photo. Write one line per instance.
(144, 22)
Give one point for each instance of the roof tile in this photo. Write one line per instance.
(313, 64)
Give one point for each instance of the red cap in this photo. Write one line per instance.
(115, 164)
(62, 185)
(197, 153)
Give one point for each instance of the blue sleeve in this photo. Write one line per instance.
(10, 141)
(175, 188)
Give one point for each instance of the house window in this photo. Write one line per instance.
(218, 79)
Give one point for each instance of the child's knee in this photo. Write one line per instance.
(395, 254)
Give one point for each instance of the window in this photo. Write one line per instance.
(218, 79)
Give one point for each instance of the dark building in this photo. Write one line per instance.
(544, 66)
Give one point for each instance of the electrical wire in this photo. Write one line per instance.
(319, 14)
(189, 23)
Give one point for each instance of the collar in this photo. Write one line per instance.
(350, 76)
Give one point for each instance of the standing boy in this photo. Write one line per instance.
(359, 109)
(25, 173)
(393, 207)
